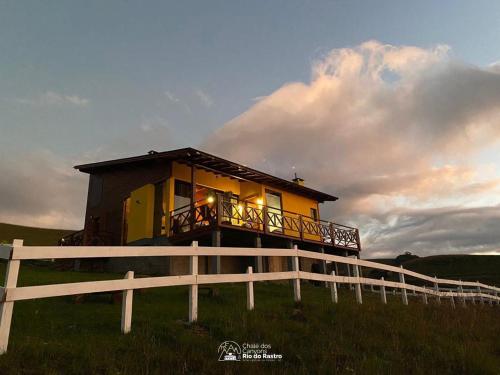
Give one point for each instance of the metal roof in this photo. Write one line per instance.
(212, 163)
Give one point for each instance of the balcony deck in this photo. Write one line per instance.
(247, 216)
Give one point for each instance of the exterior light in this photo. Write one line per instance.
(210, 199)
(260, 202)
(240, 208)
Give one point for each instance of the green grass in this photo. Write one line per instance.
(58, 336)
(31, 235)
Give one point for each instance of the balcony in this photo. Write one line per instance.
(223, 211)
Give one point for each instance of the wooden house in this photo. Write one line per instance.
(179, 196)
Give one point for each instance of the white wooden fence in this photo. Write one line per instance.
(16, 252)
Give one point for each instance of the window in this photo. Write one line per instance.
(182, 194)
(274, 214)
(314, 214)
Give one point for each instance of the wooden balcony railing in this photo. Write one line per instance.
(245, 215)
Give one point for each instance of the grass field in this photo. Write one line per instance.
(31, 235)
(59, 336)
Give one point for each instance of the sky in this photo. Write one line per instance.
(394, 106)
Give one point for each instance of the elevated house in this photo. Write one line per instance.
(179, 196)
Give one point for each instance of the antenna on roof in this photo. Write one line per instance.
(298, 180)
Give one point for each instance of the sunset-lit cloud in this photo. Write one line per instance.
(392, 131)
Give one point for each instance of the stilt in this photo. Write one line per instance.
(348, 269)
(215, 260)
(323, 265)
(258, 259)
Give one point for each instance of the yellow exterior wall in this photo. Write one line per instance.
(140, 220)
(298, 205)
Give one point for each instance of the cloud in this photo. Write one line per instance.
(54, 99)
(171, 97)
(389, 129)
(41, 189)
(437, 230)
(204, 98)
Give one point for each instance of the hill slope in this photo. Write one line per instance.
(483, 268)
(59, 336)
(31, 235)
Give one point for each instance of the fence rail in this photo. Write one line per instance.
(13, 254)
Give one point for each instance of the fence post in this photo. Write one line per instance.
(403, 289)
(6, 308)
(424, 296)
(359, 297)
(333, 286)
(127, 305)
(436, 288)
(481, 300)
(193, 288)
(461, 290)
(452, 301)
(383, 297)
(296, 281)
(250, 300)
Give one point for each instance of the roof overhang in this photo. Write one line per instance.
(212, 163)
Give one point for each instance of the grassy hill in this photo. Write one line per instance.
(484, 268)
(60, 336)
(30, 235)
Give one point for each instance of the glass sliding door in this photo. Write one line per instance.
(274, 220)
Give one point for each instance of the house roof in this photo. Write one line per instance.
(212, 163)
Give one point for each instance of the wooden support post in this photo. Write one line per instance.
(296, 281)
(6, 308)
(371, 288)
(250, 300)
(348, 269)
(193, 289)
(359, 297)
(216, 242)
(335, 294)
(424, 296)
(258, 259)
(323, 265)
(383, 297)
(127, 298)
(436, 288)
(452, 301)
(403, 289)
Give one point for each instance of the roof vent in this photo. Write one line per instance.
(298, 180)
(152, 152)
